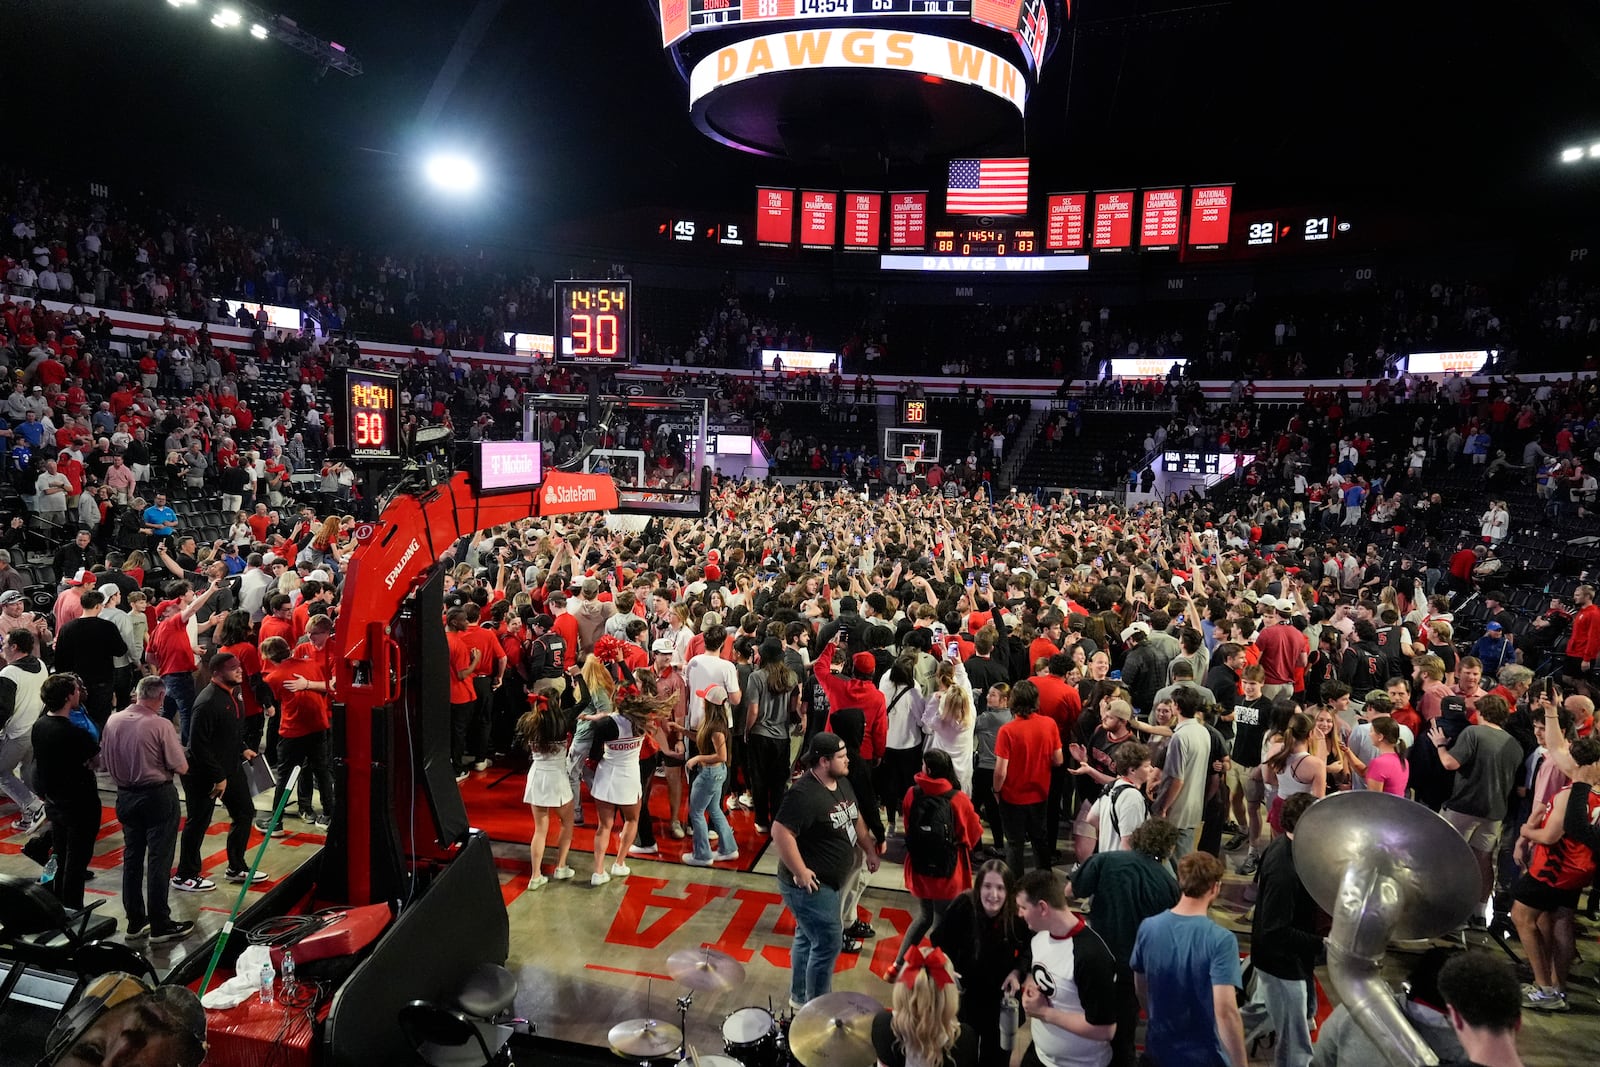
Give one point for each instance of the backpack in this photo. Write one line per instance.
(931, 835)
(1111, 795)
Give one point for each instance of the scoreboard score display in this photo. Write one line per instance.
(366, 415)
(594, 322)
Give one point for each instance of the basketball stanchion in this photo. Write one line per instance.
(227, 927)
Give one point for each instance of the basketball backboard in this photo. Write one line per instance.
(649, 445)
(905, 442)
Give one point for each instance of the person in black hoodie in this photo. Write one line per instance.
(1284, 942)
(217, 754)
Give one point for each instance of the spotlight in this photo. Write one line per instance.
(1594, 150)
(452, 173)
(226, 19)
(258, 31)
(1571, 155)
(183, 3)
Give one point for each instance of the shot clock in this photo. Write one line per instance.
(914, 412)
(366, 416)
(594, 322)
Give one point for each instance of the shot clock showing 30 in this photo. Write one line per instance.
(594, 322)
(366, 419)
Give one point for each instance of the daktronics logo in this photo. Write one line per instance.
(399, 568)
(570, 494)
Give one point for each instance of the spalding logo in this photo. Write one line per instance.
(570, 494)
(394, 575)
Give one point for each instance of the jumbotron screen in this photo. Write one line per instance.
(1028, 21)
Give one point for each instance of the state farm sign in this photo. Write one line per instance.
(564, 493)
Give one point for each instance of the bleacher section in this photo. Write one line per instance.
(1113, 438)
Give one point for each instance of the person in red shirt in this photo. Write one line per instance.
(260, 524)
(235, 639)
(318, 644)
(856, 690)
(1047, 644)
(1399, 690)
(1283, 649)
(1026, 751)
(566, 625)
(172, 652)
(278, 621)
(1461, 565)
(464, 657)
(315, 599)
(487, 676)
(1062, 704)
(1583, 647)
(934, 893)
(305, 721)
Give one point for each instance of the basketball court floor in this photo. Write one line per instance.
(590, 957)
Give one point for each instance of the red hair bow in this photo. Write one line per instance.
(539, 700)
(935, 962)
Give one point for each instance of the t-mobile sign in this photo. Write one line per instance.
(507, 465)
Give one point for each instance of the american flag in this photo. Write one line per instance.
(988, 187)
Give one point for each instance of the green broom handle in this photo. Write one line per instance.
(250, 879)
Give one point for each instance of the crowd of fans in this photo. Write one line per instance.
(1138, 695)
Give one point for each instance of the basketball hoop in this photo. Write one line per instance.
(911, 459)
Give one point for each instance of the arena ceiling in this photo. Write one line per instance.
(577, 112)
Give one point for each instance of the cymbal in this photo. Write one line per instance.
(706, 970)
(835, 1031)
(1434, 868)
(644, 1038)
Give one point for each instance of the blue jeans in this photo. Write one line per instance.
(1287, 1008)
(818, 939)
(179, 702)
(705, 795)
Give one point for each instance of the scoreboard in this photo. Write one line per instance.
(594, 322)
(1028, 21)
(366, 415)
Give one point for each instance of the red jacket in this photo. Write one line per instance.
(969, 831)
(1585, 641)
(860, 693)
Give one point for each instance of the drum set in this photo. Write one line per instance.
(831, 1031)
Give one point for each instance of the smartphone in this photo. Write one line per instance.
(984, 579)
(822, 566)
(969, 578)
(856, 541)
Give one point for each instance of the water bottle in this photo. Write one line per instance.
(287, 970)
(1008, 1021)
(266, 983)
(48, 875)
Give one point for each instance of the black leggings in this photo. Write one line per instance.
(769, 775)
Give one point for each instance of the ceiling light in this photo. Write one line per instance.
(183, 3)
(1571, 155)
(1594, 150)
(258, 31)
(455, 174)
(226, 19)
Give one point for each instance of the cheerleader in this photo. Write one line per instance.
(549, 790)
(617, 789)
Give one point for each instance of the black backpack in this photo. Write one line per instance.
(931, 835)
(1116, 790)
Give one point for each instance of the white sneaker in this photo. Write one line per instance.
(643, 850)
(621, 870)
(562, 874)
(481, 765)
(537, 883)
(462, 776)
(691, 860)
(746, 801)
(722, 857)
(599, 879)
